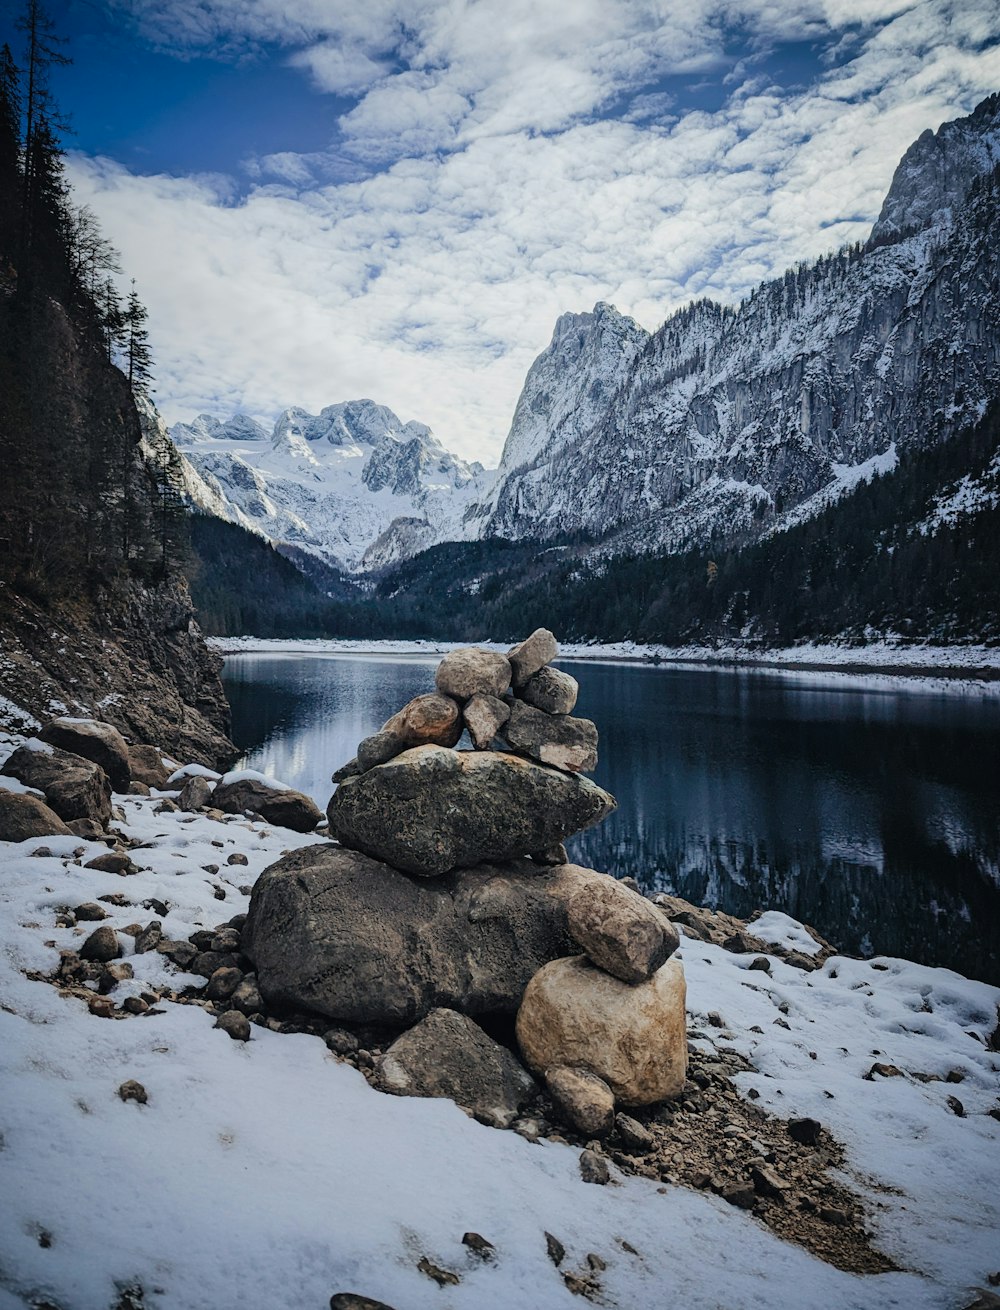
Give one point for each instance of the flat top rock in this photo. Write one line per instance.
(432, 809)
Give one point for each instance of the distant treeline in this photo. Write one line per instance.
(863, 566)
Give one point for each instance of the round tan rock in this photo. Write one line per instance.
(582, 1098)
(634, 1037)
(619, 930)
(464, 673)
(429, 720)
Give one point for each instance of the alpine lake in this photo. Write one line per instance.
(866, 807)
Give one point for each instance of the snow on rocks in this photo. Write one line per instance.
(890, 1154)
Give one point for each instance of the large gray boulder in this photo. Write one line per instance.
(557, 739)
(432, 809)
(94, 741)
(620, 931)
(335, 932)
(23, 816)
(74, 787)
(448, 1055)
(282, 806)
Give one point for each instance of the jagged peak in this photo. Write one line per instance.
(937, 171)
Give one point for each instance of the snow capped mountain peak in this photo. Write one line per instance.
(934, 176)
(567, 387)
(332, 483)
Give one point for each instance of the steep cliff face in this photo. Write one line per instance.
(568, 389)
(727, 424)
(135, 659)
(95, 616)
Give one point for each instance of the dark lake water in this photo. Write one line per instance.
(870, 811)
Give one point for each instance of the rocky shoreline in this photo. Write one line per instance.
(475, 969)
(135, 659)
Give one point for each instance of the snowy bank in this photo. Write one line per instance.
(270, 1174)
(977, 665)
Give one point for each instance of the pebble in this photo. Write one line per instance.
(222, 983)
(635, 1137)
(237, 857)
(133, 1091)
(443, 1277)
(594, 1168)
(476, 1242)
(556, 1250)
(340, 1041)
(90, 912)
(102, 945)
(804, 1131)
(101, 1006)
(236, 1024)
(740, 1194)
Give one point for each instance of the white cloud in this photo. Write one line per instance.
(502, 198)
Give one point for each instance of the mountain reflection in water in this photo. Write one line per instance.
(867, 810)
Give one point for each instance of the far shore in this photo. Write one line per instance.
(973, 663)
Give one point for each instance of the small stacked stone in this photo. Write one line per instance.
(411, 799)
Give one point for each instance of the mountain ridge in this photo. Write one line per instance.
(728, 421)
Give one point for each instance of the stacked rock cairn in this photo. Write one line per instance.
(447, 897)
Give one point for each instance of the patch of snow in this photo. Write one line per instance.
(346, 1188)
(251, 775)
(181, 775)
(38, 747)
(12, 784)
(781, 930)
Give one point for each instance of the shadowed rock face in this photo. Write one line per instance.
(432, 809)
(74, 788)
(285, 808)
(95, 741)
(22, 817)
(446, 1054)
(335, 932)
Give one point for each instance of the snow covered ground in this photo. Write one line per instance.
(269, 1175)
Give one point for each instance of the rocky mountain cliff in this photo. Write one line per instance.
(352, 485)
(729, 423)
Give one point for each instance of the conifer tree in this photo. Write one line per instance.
(10, 150)
(138, 355)
(42, 52)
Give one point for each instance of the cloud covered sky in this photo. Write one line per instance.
(323, 199)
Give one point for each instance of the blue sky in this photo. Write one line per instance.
(322, 199)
